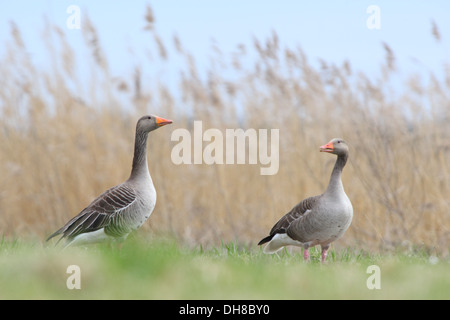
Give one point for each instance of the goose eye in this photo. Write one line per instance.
(149, 117)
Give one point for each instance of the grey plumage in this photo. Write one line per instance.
(317, 220)
(295, 214)
(123, 208)
(101, 213)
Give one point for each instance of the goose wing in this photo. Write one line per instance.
(297, 212)
(103, 212)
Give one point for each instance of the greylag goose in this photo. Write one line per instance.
(123, 208)
(317, 220)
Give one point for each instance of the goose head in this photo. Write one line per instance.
(150, 122)
(336, 146)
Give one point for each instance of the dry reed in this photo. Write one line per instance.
(59, 150)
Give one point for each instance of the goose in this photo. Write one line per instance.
(317, 220)
(120, 209)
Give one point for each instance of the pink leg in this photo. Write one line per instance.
(306, 254)
(324, 253)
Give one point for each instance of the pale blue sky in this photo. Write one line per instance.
(331, 30)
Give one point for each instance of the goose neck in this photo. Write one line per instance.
(140, 165)
(335, 184)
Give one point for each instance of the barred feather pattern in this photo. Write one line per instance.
(298, 212)
(104, 212)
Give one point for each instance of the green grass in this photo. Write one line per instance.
(162, 269)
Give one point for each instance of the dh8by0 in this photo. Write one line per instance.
(246, 309)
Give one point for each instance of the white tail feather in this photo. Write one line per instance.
(279, 241)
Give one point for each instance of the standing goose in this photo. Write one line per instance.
(123, 208)
(317, 220)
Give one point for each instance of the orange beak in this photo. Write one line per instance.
(329, 147)
(162, 122)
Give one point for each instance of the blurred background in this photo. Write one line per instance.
(76, 76)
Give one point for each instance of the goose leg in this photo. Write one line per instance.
(324, 252)
(306, 253)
